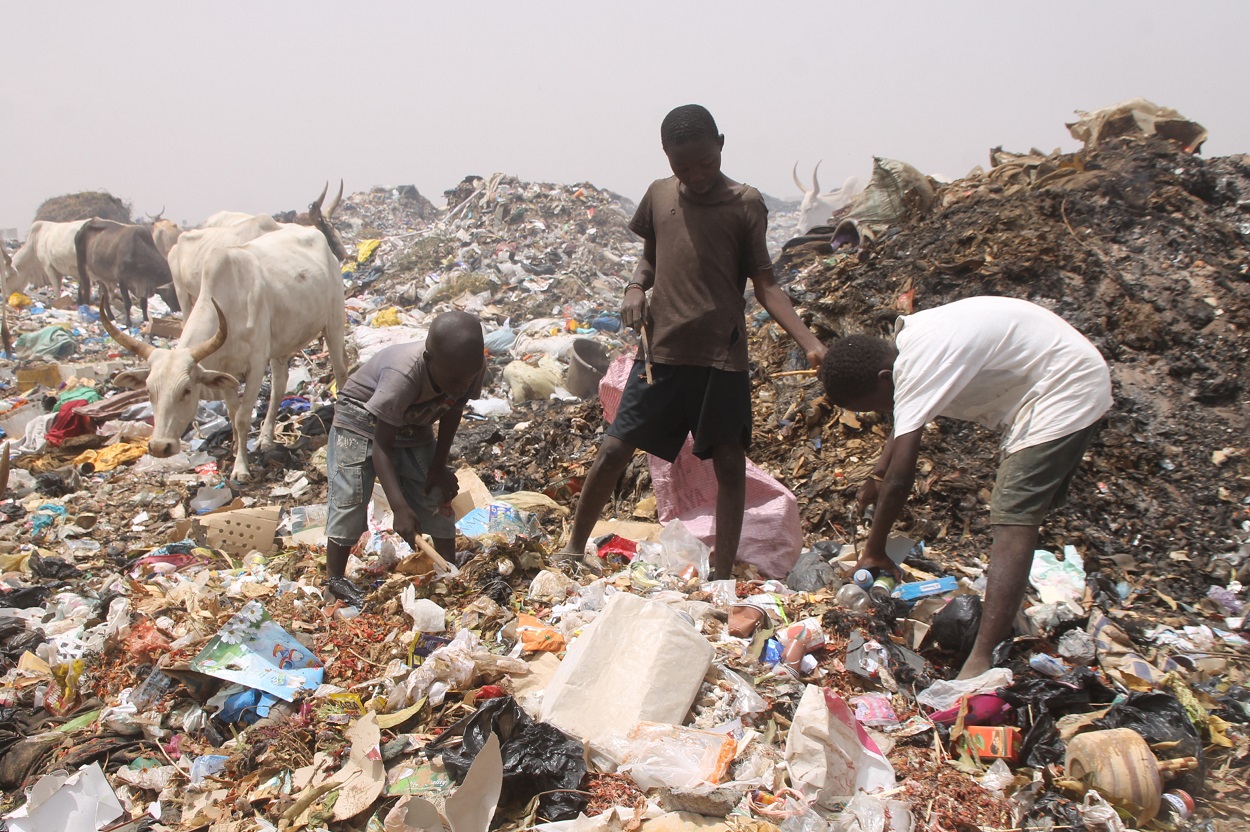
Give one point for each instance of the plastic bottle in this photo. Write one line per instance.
(853, 597)
(881, 588)
(863, 578)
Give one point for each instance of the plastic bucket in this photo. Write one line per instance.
(588, 361)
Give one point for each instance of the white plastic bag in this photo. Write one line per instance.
(427, 616)
(671, 756)
(944, 694)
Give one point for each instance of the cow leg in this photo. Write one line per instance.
(241, 418)
(279, 372)
(125, 293)
(338, 353)
(143, 307)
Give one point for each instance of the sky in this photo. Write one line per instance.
(246, 106)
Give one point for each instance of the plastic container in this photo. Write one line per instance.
(853, 597)
(588, 361)
(881, 588)
(1178, 804)
(1119, 764)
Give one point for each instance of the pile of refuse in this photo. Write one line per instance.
(169, 657)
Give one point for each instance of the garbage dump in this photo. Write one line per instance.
(170, 657)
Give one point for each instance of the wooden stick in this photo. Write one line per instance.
(433, 554)
(646, 349)
(794, 373)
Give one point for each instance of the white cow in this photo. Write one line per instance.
(194, 250)
(8, 277)
(816, 208)
(165, 234)
(47, 256)
(260, 303)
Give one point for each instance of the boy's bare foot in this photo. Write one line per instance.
(973, 668)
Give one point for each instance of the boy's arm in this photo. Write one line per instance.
(895, 488)
(777, 303)
(870, 490)
(405, 521)
(440, 475)
(634, 304)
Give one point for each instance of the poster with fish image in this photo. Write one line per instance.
(252, 650)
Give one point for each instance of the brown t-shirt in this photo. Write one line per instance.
(704, 254)
(393, 386)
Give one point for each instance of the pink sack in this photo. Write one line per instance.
(686, 490)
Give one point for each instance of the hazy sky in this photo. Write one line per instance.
(250, 106)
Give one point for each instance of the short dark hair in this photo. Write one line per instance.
(688, 122)
(851, 366)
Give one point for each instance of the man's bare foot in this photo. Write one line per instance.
(973, 668)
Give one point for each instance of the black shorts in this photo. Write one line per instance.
(714, 405)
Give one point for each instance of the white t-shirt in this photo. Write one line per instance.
(1003, 363)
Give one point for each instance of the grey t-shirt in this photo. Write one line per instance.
(393, 386)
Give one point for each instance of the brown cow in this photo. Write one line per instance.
(124, 256)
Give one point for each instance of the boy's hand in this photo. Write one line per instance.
(443, 478)
(867, 496)
(634, 308)
(405, 524)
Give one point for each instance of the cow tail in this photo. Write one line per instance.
(81, 240)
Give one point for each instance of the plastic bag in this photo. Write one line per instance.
(427, 616)
(658, 755)
(944, 694)
(955, 626)
(537, 757)
(1161, 719)
(1041, 702)
(1058, 581)
(683, 549)
(811, 572)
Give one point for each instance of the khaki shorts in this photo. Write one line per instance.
(1034, 480)
(349, 464)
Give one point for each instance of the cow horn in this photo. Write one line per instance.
(334, 203)
(157, 217)
(201, 351)
(139, 348)
(815, 181)
(316, 203)
(797, 183)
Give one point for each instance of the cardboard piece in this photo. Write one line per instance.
(361, 781)
(94, 371)
(628, 529)
(166, 327)
(81, 802)
(470, 809)
(473, 493)
(46, 375)
(638, 655)
(241, 531)
(995, 742)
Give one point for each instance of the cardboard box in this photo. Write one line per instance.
(47, 375)
(473, 493)
(166, 327)
(628, 529)
(95, 371)
(15, 421)
(998, 742)
(233, 529)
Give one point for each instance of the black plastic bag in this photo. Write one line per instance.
(811, 572)
(537, 757)
(955, 626)
(1040, 702)
(1160, 718)
(54, 569)
(25, 598)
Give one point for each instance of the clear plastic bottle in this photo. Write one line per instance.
(853, 598)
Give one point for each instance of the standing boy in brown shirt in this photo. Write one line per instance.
(703, 238)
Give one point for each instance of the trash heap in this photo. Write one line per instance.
(169, 657)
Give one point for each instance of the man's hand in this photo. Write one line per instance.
(872, 558)
(443, 478)
(815, 356)
(634, 308)
(866, 496)
(406, 525)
